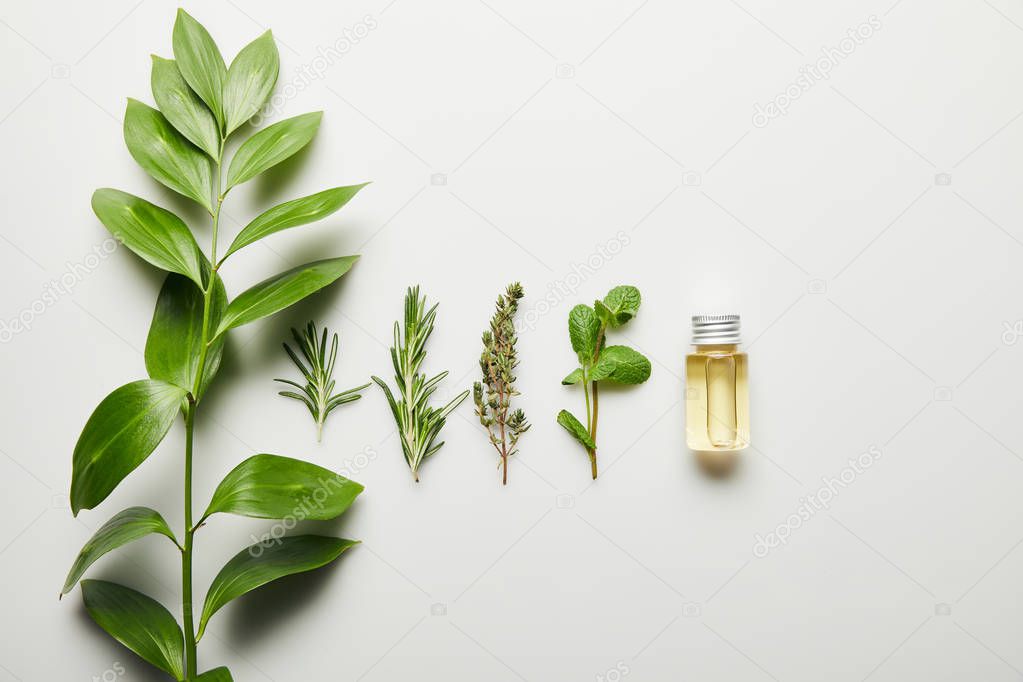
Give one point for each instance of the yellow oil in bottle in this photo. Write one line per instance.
(717, 387)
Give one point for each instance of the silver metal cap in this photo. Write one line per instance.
(710, 330)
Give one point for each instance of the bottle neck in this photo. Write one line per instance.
(715, 348)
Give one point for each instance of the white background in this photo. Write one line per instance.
(870, 238)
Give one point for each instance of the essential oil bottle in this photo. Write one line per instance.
(717, 388)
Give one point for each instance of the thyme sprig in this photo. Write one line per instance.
(494, 394)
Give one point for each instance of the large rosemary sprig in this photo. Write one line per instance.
(418, 423)
(493, 395)
(318, 392)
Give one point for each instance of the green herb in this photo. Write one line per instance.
(318, 369)
(202, 101)
(493, 395)
(598, 362)
(418, 423)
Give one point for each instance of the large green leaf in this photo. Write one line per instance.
(280, 291)
(138, 622)
(250, 80)
(166, 155)
(200, 62)
(272, 145)
(183, 108)
(175, 335)
(131, 524)
(258, 565)
(622, 365)
(294, 213)
(583, 330)
(275, 487)
(575, 427)
(154, 233)
(215, 675)
(121, 433)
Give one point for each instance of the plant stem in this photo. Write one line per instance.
(586, 394)
(219, 198)
(186, 552)
(186, 556)
(408, 433)
(592, 409)
(593, 433)
(191, 656)
(503, 403)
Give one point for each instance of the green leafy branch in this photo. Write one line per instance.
(494, 394)
(201, 103)
(317, 394)
(418, 423)
(587, 329)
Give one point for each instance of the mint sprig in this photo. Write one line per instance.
(587, 330)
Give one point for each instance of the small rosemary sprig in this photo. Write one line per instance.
(318, 392)
(493, 395)
(418, 423)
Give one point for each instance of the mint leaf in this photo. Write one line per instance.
(574, 427)
(622, 365)
(574, 377)
(583, 330)
(605, 315)
(622, 304)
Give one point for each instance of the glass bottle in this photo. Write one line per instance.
(717, 387)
